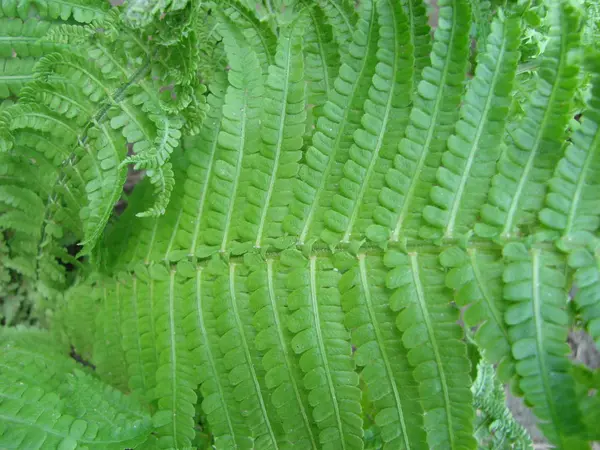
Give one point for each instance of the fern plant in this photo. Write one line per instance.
(352, 232)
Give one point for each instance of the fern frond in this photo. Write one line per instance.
(385, 117)
(470, 161)
(342, 18)
(138, 336)
(476, 277)
(81, 11)
(14, 74)
(518, 189)
(489, 398)
(218, 402)
(323, 343)
(238, 138)
(74, 318)
(571, 205)
(163, 179)
(237, 344)
(386, 370)
(257, 34)
(176, 377)
(538, 326)
(420, 35)
(432, 117)
(109, 356)
(431, 333)
(273, 339)
(282, 126)
(47, 402)
(320, 174)
(201, 152)
(586, 279)
(321, 64)
(21, 38)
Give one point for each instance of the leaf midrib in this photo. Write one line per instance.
(483, 121)
(548, 110)
(321, 343)
(209, 353)
(382, 348)
(331, 157)
(247, 356)
(286, 354)
(593, 148)
(434, 117)
(422, 304)
(382, 133)
(279, 143)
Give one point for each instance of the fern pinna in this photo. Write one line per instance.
(353, 228)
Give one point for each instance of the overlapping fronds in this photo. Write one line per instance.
(46, 401)
(341, 223)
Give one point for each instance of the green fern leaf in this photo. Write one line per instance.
(518, 190)
(321, 65)
(386, 370)
(322, 170)
(420, 34)
(176, 379)
(476, 277)
(257, 34)
(282, 126)
(433, 337)
(283, 377)
(432, 117)
(342, 18)
(237, 344)
(586, 263)
(81, 11)
(469, 162)
(385, 117)
(571, 207)
(238, 138)
(323, 343)
(46, 401)
(218, 402)
(202, 152)
(538, 327)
